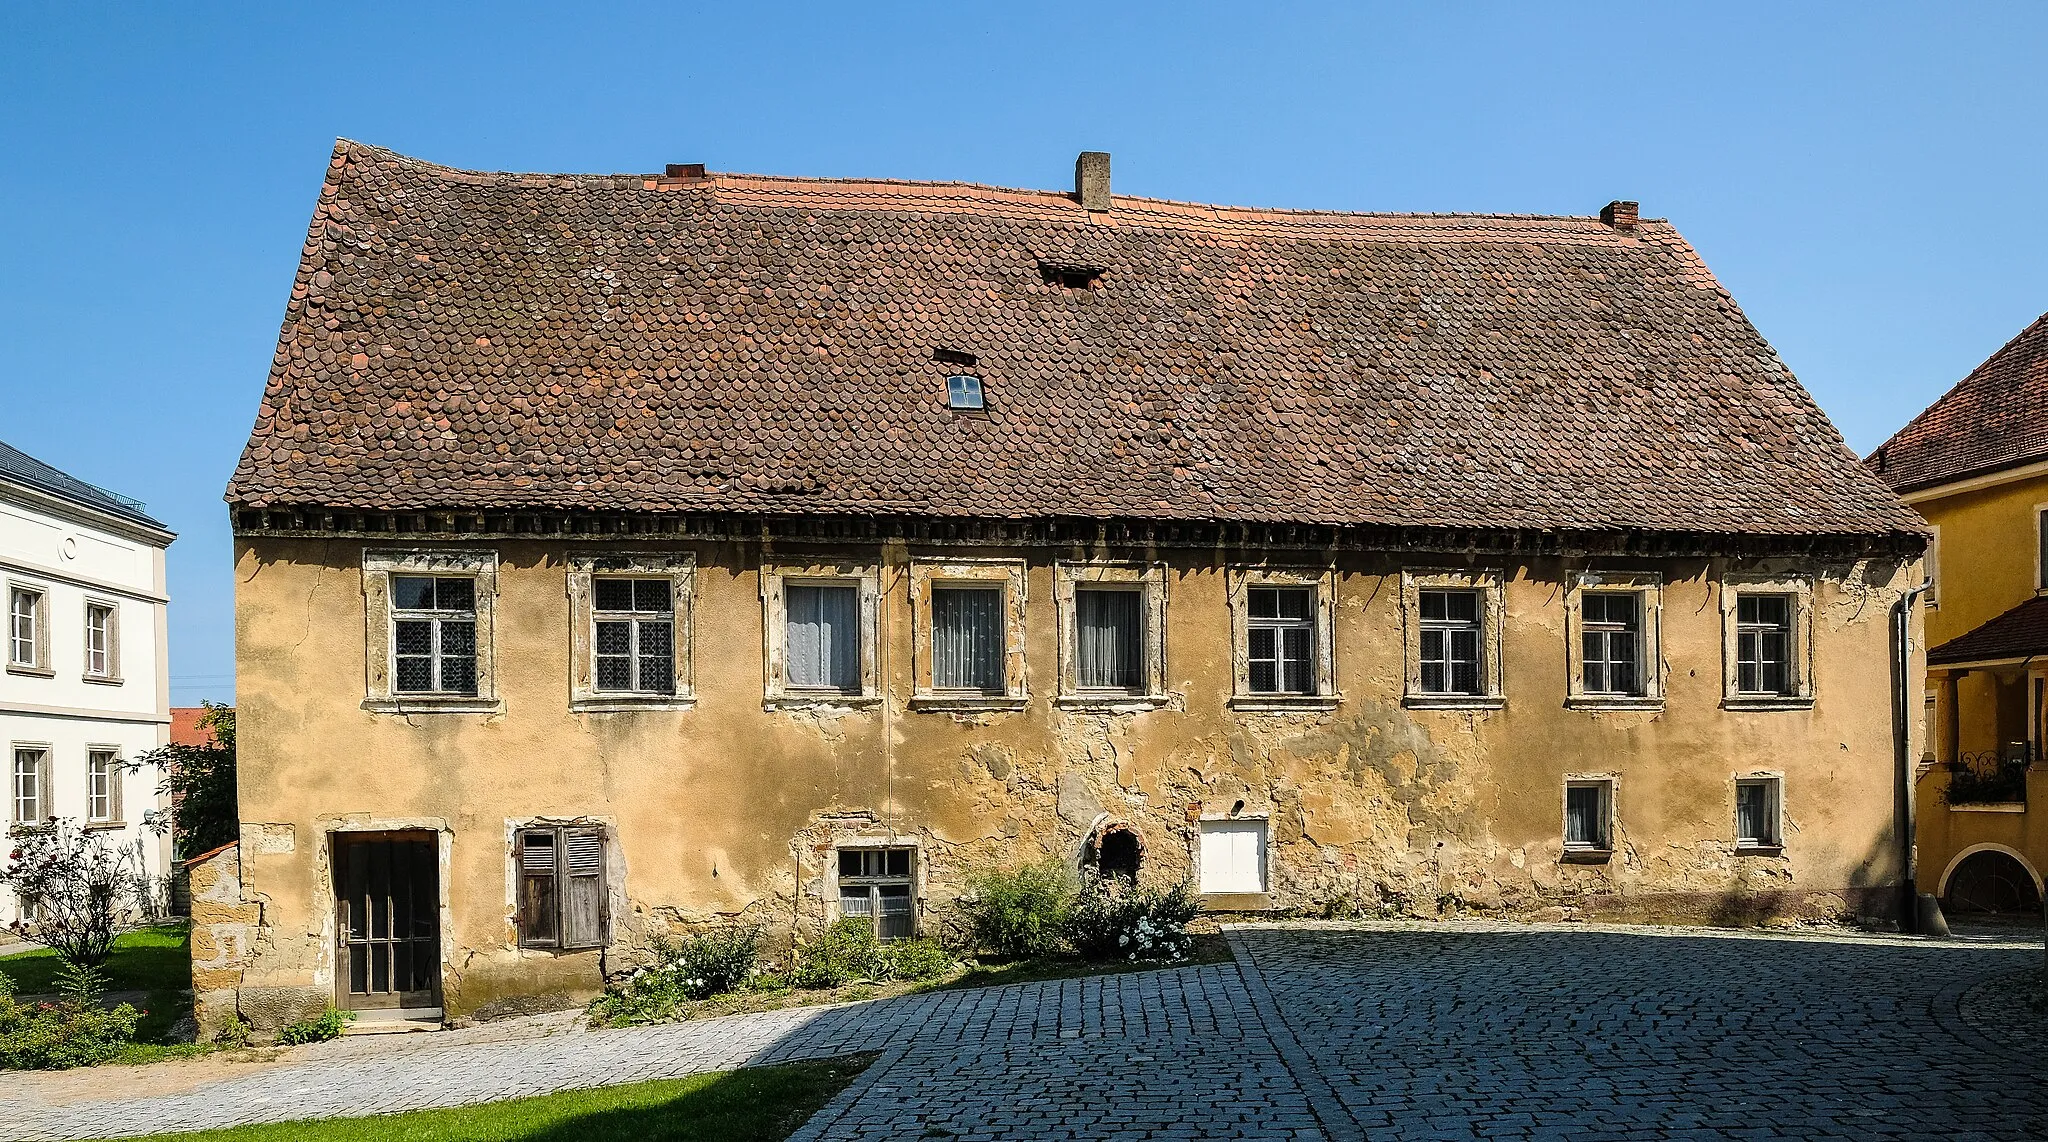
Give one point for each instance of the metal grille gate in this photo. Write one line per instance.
(387, 913)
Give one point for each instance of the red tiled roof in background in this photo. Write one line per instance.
(185, 729)
(2018, 633)
(1997, 417)
(741, 343)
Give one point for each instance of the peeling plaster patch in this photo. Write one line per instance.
(270, 839)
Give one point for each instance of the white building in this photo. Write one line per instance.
(87, 679)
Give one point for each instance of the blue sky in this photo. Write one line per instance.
(1865, 177)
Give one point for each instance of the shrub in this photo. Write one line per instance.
(1114, 921)
(52, 1036)
(849, 951)
(82, 888)
(1020, 911)
(698, 966)
(320, 1028)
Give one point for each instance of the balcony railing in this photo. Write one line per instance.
(1991, 777)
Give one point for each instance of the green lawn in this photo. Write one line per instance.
(760, 1104)
(147, 959)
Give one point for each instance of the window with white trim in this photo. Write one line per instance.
(880, 885)
(102, 786)
(1931, 564)
(1450, 642)
(25, 785)
(968, 618)
(629, 622)
(1758, 812)
(102, 640)
(433, 634)
(819, 622)
(967, 639)
(1589, 816)
(1280, 620)
(1453, 639)
(27, 627)
(1613, 640)
(1766, 632)
(2041, 547)
(1763, 644)
(1111, 619)
(635, 635)
(1233, 856)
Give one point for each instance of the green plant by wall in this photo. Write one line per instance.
(1114, 921)
(849, 951)
(1020, 911)
(320, 1028)
(53, 1036)
(698, 966)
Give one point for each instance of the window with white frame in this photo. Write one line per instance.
(2041, 547)
(27, 627)
(968, 615)
(1453, 638)
(1767, 625)
(1233, 856)
(25, 784)
(634, 645)
(879, 885)
(433, 634)
(1280, 640)
(429, 615)
(1931, 562)
(1613, 640)
(1589, 815)
(102, 640)
(1111, 618)
(1757, 812)
(102, 786)
(819, 622)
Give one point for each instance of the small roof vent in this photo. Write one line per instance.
(963, 391)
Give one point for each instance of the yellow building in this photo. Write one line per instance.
(620, 554)
(1975, 464)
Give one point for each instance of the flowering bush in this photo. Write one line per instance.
(1112, 920)
(82, 888)
(52, 1036)
(698, 966)
(1020, 911)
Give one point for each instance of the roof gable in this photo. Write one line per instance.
(740, 343)
(1997, 417)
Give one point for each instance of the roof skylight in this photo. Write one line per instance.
(964, 391)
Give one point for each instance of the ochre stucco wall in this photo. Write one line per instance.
(727, 808)
(1987, 567)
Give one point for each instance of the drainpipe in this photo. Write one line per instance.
(1902, 762)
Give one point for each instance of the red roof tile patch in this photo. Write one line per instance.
(2018, 633)
(744, 343)
(1997, 417)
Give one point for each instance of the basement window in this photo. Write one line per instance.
(963, 391)
(875, 884)
(1757, 813)
(1589, 817)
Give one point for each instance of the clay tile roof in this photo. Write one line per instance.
(2018, 633)
(762, 344)
(1997, 417)
(185, 727)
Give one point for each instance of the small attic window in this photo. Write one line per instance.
(953, 357)
(1069, 277)
(963, 391)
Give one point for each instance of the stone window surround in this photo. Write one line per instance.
(927, 572)
(1149, 579)
(681, 572)
(112, 675)
(776, 578)
(1239, 580)
(41, 667)
(1575, 855)
(1489, 584)
(877, 841)
(1648, 586)
(378, 568)
(615, 903)
(1776, 778)
(46, 779)
(1800, 589)
(116, 811)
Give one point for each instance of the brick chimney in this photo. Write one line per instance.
(1091, 180)
(1621, 215)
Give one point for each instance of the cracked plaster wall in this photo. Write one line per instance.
(727, 809)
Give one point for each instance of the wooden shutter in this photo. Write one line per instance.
(539, 889)
(583, 895)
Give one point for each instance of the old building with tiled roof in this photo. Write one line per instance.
(1975, 464)
(625, 553)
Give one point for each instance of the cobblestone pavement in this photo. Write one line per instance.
(1381, 1031)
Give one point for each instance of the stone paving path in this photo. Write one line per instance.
(1381, 1031)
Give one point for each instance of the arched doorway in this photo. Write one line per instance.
(1114, 852)
(1991, 882)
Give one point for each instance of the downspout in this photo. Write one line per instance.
(1902, 761)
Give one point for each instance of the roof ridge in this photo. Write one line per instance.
(717, 180)
(1956, 390)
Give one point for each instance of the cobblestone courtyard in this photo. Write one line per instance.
(1398, 1031)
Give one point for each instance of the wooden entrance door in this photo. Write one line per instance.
(387, 912)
